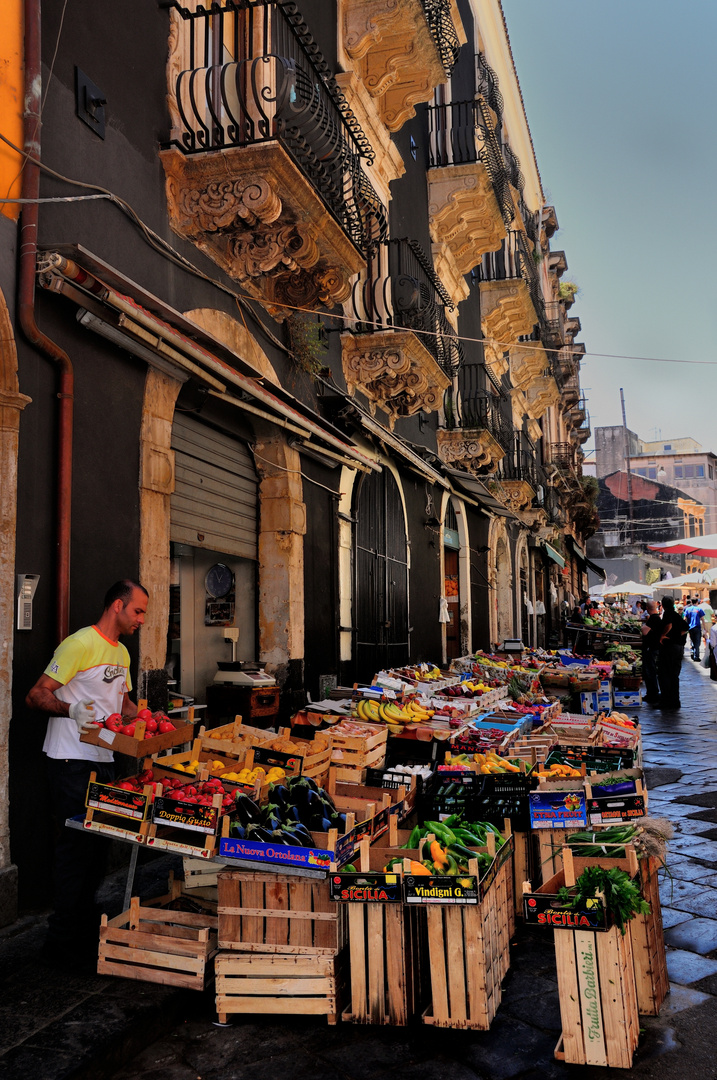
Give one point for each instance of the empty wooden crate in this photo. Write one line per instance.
(269, 983)
(277, 913)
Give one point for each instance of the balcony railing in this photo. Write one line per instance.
(514, 260)
(519, 464)
(554, 327)
(461, 132)
(474, 407)
(443, 31)
(487, 85)
(254, 74)
(563, 456)
(400, 290)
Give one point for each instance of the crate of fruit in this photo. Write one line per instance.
(147, 733)
(356, 747)
(157, 945)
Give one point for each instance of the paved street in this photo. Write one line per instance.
(54, 1025)
(681, 756)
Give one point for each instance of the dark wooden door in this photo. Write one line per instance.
(381, 577)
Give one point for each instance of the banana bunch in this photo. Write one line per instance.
(489, 764)
(396, 716)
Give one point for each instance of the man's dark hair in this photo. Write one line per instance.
(122, 590)
(668, 602)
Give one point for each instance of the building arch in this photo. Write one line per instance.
(464, 572)
(500, 574)
(524, 599)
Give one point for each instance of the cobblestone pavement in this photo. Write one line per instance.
(681, 756)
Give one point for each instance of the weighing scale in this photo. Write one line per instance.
(241, 672)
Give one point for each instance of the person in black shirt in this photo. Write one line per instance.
(673, 631)
(650, 652)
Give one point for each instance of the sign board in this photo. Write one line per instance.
(114, 800)
(544, 909)
(557, 809)
(278, 854)
(366, 888)
(181, 815)
(292, 764)
(440, 889)
(615, 808)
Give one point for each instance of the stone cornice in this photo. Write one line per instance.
(527, 362)
(463, 212)
(394, 53)
(455, 283)
(541, 394)
(394, 371)
(473, 448)
(252, 211)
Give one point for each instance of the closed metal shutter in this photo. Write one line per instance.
(215, 498)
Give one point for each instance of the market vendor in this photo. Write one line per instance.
(87, 680)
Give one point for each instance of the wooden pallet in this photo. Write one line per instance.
(387, 953)
(275, 913)
(290, 985)
(598, 998)
(155, 945)
(648, 945)
(469, 955)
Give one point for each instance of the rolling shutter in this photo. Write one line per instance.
(215, 500)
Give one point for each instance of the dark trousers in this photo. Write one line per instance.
(695, 638)
(713, 664)
(80, 858)
(649, 672)
(668, 673)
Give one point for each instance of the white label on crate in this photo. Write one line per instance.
(390, 694)
(589, 987)
(106, 736)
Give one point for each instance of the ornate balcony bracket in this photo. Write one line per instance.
(253, 213)
(395, 54)
(519, 494)
(541, 394)
(454, 281)
(527, 363)
(507, 313)
(463, 212)
(536, 519)
(472, 448)
(394, 371)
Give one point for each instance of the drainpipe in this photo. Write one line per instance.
(26, 310)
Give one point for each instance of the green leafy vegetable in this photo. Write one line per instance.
(622, 896)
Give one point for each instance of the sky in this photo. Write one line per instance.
(621, 98)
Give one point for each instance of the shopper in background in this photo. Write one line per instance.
(694, 615)
(650, 652)
(87, 680)
(673, 631)
(712, 646)
(708, 619)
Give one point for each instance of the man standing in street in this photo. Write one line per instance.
(673, 631)
(650, 652)
(86, 681)
(695, 616)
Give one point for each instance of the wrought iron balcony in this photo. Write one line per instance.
(578, 412)
(439, 17)
(571, 390)
(554, 326)
(514, 262)
(263, 145)
(476, 435)
(400, 290)
(487, 86)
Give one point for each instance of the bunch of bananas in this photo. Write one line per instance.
(396, 716)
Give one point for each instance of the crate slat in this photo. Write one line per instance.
(277, 914)
(287, 985)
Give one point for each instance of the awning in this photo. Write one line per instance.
(577, 549)
(399, 446)
(554, 555)
(599, 570)
(479, 491)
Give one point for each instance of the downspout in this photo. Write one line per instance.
(26, 309)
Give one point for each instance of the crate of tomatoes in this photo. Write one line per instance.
(136, 736)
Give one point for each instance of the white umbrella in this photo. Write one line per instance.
(684, 581)
(628, 588)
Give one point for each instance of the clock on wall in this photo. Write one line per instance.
(219, 587)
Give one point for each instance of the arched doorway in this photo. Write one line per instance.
(381, 633)
(503, 591)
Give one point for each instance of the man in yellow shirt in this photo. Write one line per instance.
(87, 680)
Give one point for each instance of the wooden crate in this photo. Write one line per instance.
(316, 754)
(648, 945)
(469, 955)
(156, 945)
(550, 852)
(387, 959)
(598, 998)
(234, 739)
(523, 861)
(269, 983)
(275, 913)
(353, 754)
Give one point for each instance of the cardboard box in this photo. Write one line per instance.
(589, 703)
(631, 699)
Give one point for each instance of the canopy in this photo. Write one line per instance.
(690, 545)
(628, 588)
(684, 581)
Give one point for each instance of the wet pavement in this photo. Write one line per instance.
(681, 758)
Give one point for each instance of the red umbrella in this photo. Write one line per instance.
(705, 546)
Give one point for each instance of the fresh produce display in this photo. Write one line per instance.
(617, 718)
(377, 712)
(608, 842)
(201, 794)
(622, 896)
(157, 723)
(293, 813)
(558, 771)
(466, 689)
(404, 773)
(475, 741)
(424, 673)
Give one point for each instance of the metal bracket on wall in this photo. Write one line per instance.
(90, 103)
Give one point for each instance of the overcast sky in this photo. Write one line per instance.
(622, 106)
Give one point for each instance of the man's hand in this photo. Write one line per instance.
(83, 713)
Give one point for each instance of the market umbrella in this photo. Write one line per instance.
(628, 588)
(684, 581)
(690, 545)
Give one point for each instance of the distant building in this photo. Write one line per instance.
(682, 463)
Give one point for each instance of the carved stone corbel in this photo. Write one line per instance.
(541, 394)
(463, 212)
(473, 448)
(507, 311)
(394, 371)
(519, 494)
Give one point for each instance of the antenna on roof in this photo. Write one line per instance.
(627, 465)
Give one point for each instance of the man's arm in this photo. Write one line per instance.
(42, 697)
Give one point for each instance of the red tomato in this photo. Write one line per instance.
(114, 722)
(144, 714)
(128, 730)
(127, 786)
(164, 726)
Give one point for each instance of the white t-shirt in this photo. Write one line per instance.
(90, 667)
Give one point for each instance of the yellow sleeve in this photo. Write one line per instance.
(67, 661)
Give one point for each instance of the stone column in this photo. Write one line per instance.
(282, 525)
(156, 484)
(11, 405)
